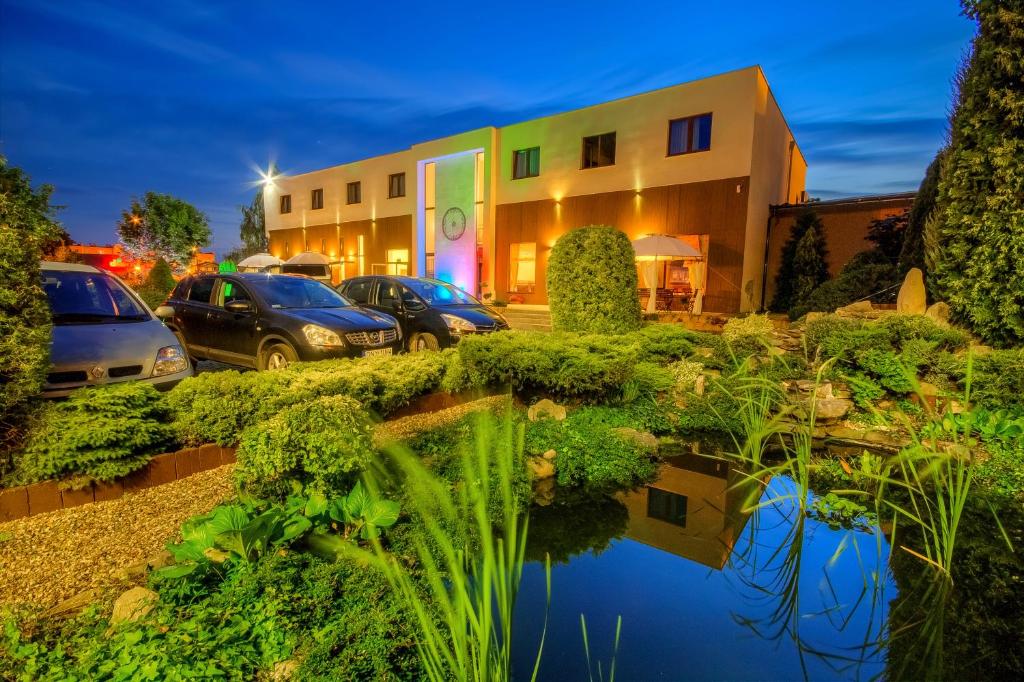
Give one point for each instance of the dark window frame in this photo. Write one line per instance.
(515, 165)
(599, 138)
(690, 120)
(354, 188)
(392, 178)
(316, 199)
(285, 204)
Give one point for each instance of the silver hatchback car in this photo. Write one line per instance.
(103, 333)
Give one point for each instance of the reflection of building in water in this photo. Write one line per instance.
(693, 510)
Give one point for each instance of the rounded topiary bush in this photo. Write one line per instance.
(324, 444)
(592, 284)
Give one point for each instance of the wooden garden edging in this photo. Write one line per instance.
(46, 496)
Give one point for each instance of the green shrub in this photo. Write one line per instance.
(96, 434)
(324, 443)
(216, 407)
(158, 284)
(591, 281)
(750, 327)
(561, 365)
(664, 343)
(26, 229)
(588, 452)
(861, 278)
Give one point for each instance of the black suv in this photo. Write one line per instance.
(433, 314)
(268, 321)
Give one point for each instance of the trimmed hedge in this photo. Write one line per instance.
(324, 444)
(592, 283)
(97, 434)
(217, 407)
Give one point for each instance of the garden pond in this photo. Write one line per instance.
(710, 585)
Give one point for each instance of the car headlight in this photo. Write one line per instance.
(458, 325)
(320, 336)
(169, 360)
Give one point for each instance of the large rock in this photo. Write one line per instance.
(832, 409)
(541, 468)
(134, 604)
(912, 299)
(647, 441)
(938, 312)
(546, 409)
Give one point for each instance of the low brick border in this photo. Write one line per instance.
(46, 496)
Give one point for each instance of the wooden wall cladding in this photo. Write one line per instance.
(717, 208)
(393, 232)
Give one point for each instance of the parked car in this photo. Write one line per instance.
(432, 314)
(268, 321)
(103, 333)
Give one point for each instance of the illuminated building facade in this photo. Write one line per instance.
(702, 160)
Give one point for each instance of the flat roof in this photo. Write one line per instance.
(755, 67)
(894, 197)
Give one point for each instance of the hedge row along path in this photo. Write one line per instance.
(50, 557)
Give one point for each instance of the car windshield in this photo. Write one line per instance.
(298, 292)
(90, 298)
(436, 292)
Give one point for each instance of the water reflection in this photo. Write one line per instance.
(712, 582)
(696, 509)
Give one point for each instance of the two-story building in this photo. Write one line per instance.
(702, 160)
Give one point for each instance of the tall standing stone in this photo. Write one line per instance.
(912, 299)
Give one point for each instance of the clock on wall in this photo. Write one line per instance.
(453, 223)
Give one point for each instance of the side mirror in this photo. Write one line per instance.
(239, 306)
(414, 306)
(164, 311)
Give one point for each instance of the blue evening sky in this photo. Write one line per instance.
(106, 99)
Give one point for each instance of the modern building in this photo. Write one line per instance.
(703, 161)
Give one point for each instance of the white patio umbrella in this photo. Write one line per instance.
(308, 258)
(654, 247)
(259, 261)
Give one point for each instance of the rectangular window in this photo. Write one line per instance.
(522, 263)
(666, 506)
(317, 199)
(286, 203)
(398, 262)
(526, 163)
(201, 290)
(396, 185)
(690, 134)
(598, 150)
(323, 246)
(354, 192)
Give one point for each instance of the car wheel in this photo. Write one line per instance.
(277, 356)
(423, 341)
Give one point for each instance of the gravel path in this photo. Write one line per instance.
(407, 427)
(51, 557)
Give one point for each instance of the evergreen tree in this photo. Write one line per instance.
(27, 226)
(912, 253)
(810, 264)
(979, 259)
(158, 284)
(785, 280)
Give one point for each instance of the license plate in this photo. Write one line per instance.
(376, 351)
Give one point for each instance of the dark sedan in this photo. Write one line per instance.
(433, 314)
(268, 321)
